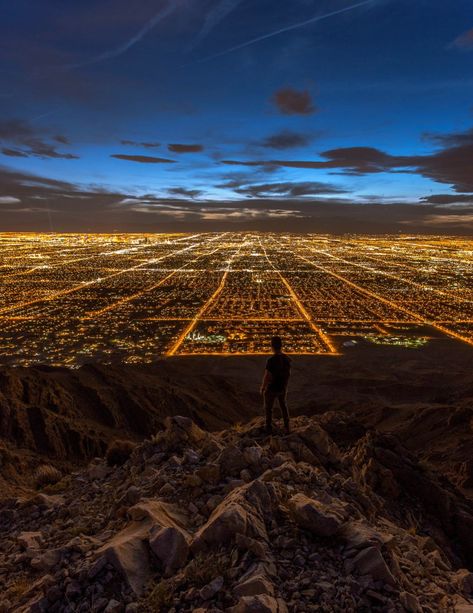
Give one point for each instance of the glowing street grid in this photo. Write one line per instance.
(74, 298)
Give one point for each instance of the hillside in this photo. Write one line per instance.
(235, 521)
(424, 396)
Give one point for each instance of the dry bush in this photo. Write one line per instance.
(118, 452)
(47, 475)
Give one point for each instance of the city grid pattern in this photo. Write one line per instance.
(68, 299)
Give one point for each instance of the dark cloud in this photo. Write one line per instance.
(184, 192)
(449, 199)
(63, 140)
(134, 143)
(176, 148)
(452, 164)
(293, 102)
(464, 41)
(34, 203)
(30, 142)
(451, 140)
(14, 153)
(142, 159)
(286, 139)
(289, 190)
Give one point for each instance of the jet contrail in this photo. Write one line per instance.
(214, 17)
(294, 26)
(159, 16)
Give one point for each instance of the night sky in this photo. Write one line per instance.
(300, 115)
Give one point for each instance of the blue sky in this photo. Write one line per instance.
(261, 105)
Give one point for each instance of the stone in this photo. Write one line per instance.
(259, 604)
(410, 602)
(212, 588)
(358, 535)
(314, 516)
(253, 455)
(30, 541)
(97, 472)
(114, 607)
(371, 562)
(47, 560)
(223, 525)
(231, 461)
(167, 489)
(253, 586)
(127, 552)
(170, 546)
(464, 580)
(210, 473)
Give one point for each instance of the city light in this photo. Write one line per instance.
(72, 298)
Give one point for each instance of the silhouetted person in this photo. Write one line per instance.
(275, 380)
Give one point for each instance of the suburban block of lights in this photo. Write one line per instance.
(74, 298)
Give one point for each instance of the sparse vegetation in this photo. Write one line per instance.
(159, 597)
(16, 590)
(203, 569)
(119, 452)
(47, 475)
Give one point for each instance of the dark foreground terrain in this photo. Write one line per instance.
(365, 506)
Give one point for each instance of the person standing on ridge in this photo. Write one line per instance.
(274, 385)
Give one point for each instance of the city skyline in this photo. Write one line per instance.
(228, 115)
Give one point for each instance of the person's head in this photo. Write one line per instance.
(276, 343)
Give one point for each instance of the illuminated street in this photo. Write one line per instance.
(69, 299)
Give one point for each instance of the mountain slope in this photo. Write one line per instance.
(236, 521)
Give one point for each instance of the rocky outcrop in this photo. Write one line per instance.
(238, 522)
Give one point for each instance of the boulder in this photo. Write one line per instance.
(128, 553)
(231, 461)
(170, 546)
(212, 588)
(314, 516)
(371, 562)
(241, 512)
(464, 580)
(254, 585)
(410, 602)
(259, 604)
(358, 535)
(30, 541)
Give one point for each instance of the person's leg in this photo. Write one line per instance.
(268, 408)
(284, 410)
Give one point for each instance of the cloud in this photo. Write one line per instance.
(289, 28)
(289, 190)
(134, 143)
(293, 102)
(9, 200)
(142, 159)
(28, 141)
(464, 42)
(176, 148)
(65, 207)
(286, 139)
(14, 153)
(452, 164)
(217, 14)
(184, 192)
(164, 12)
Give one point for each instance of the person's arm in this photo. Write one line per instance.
(266, 381)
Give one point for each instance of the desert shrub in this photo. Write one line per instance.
(203, 569)
(118, 452)
(15, 591)
(160, 597)
(47, 475)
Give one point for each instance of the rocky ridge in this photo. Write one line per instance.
(329, 518)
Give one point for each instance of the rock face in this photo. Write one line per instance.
(238, 522)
